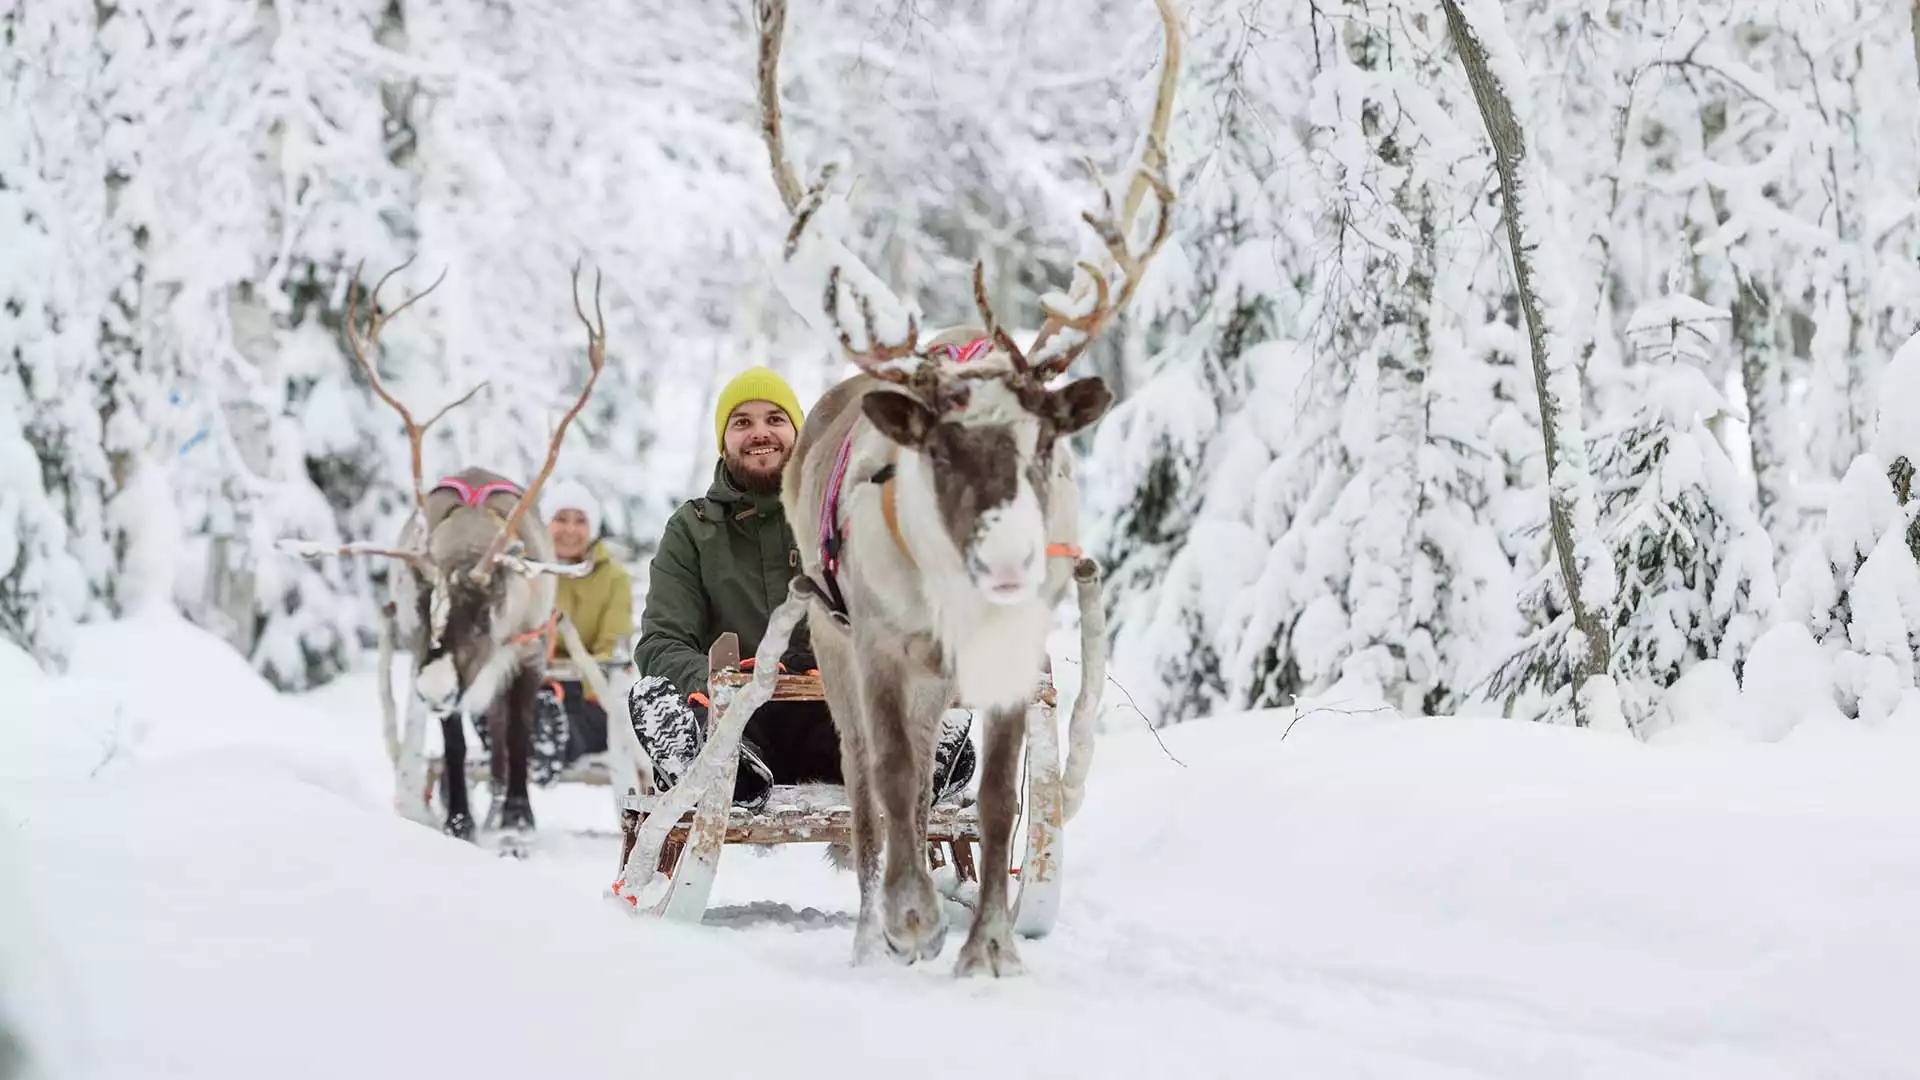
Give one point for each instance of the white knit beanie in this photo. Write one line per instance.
(572, 495)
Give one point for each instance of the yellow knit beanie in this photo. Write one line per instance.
(753, 384)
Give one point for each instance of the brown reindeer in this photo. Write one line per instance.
(947, 516)
(474, 603)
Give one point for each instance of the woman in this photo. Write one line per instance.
(600, 605)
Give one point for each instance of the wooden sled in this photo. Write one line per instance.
(623, 755)
(689, 855)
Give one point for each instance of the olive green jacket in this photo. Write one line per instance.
(723, 565)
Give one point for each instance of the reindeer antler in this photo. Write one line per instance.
(597, 360)
(804, 203)
(1052, 354)
(877, 354)
(376, 322)
(310, 549)
(990, 321)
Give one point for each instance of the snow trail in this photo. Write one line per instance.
(1372, 896)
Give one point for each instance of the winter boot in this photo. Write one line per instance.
(669, 729)
(551, 729)
(672, 730)
(953, 757)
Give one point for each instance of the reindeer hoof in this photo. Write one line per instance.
(869, 945)
(916, 928)
(915, 946)
(459, 826)
(988, 954)
(510, 815)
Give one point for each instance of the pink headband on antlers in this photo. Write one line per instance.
(966, 353)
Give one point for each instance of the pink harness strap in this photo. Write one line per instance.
(970, 351)
(830, 510)
(475, 496)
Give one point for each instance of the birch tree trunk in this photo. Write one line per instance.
(1585, 564)
(1916, 33)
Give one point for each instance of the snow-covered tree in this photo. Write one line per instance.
(1171, 479)
(1855, 593)
(1695, 566)
(1499, 80)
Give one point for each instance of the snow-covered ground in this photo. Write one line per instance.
(203, 879)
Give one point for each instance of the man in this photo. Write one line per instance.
(722, 566)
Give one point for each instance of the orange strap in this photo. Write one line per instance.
(553, 620)
(891, 512)
(1064, 551)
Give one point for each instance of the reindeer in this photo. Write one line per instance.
(474, 603)
(947, 516)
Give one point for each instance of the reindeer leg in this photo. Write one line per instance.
(914, 919)
(453, 775)
(519, 703)
(868, 939)
(989, 948)
(833, 650)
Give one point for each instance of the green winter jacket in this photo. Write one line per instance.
(723, 565)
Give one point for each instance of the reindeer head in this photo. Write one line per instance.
(971, 411)
(465, 533)
(467, 615)
(978, 432)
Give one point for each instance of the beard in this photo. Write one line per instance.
(755, 475)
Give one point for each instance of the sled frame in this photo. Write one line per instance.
(690, 857)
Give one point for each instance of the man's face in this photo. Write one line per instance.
(759, 438)
(569, 531)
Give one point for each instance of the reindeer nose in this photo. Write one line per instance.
(1006, 583)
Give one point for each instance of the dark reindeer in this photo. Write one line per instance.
(947, 514)
(474, 605)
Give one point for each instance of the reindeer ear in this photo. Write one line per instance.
(899, 417)
(1078, 404)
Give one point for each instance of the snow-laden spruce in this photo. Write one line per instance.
(1695, 566)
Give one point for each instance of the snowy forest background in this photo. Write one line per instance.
(1325, 477)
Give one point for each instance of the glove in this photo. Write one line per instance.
(799, 660)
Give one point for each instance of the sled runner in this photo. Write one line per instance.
(671, 842)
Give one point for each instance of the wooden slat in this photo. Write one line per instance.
(787, 688)
(945, 824)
